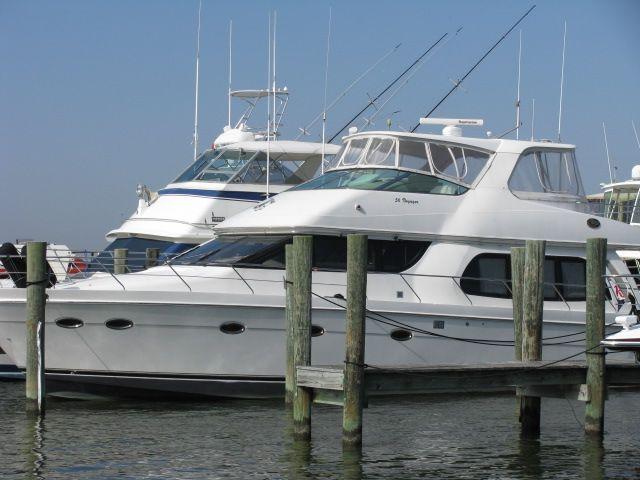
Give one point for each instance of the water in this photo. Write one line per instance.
(463, 436)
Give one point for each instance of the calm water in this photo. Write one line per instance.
(419, 437)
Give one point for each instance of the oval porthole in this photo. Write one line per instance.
(232, 328)
(317, 331)
(69, 322)
(118, 324)
(401, 335)
(593, 223)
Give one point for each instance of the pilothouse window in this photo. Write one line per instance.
(457, 163)
(329, 253)
(546, 172)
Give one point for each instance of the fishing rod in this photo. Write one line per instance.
(396, 80)
(305, 130)
(408, 78)
(459, 82)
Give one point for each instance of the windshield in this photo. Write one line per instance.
(240, 166)
(622, 205)
(216, 166)
(383, 179)
(329, 253)
(456, 163)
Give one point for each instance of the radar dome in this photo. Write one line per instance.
(635, 172)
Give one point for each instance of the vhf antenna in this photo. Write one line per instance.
(459, 82)
(371, 102)
(518, 122)
(229, 92)
(606, 146)
(195, 122)
(636, 132)
(564, 44)
(324, 103)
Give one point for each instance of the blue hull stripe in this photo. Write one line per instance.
(224, 194)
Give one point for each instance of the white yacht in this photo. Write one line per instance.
(621, 201)
(441, 213)
(224, 180)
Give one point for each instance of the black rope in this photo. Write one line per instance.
(38, 282)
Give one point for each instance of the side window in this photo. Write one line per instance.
(546, 172)
(413, 155)
(489, 275)
(330, 253)
(354, 151)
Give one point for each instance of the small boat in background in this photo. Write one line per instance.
(627, 339)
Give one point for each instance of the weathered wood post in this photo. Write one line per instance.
(517, 294)
(533, 303)
(151, 257)
(37, 281)
(596, 264)
(354, 342)
(120, 260)
(301, 275)
(290, 371)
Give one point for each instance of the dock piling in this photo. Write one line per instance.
(120, 260)
(151, 257)
(517, 292)
(289, 379)
(533, 303)
(354, 341)
(596, 264)
(37, 281)
(301, 319)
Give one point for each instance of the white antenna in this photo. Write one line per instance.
(229, 92)
(564, 44)
(518, 123)
(324, 103)
(533, 116)
(195, 126)
(606, 146)
(268, 107)
(636, 132)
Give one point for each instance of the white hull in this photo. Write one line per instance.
(177, 346)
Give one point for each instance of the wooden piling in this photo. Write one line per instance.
(151, 257)
(36, 297)
(120, 260)
(517, 292)
(301, 277)
(354, 342)
(533, 303)
(596, 386)
(290, 371)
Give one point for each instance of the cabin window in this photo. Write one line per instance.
(413, 155)
(489, 275)
(329, 253)
(389, 180)
(546, 172)
(382, 151)
(354, 151)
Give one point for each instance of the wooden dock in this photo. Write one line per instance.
(564, 379)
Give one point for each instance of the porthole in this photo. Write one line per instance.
(317, 331)
(593, 223)
(401, 335)
(69, 322)
(232, 328)
(118, 324)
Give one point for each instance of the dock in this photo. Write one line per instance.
(565, 379)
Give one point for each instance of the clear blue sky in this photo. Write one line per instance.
(97, 96)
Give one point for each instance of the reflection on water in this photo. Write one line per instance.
(437, 437)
